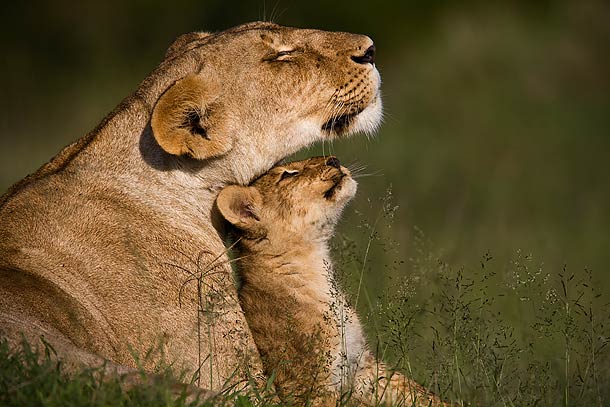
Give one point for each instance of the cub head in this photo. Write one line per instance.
(303, 199)
(262, 92)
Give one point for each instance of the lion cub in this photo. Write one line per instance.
(307, 335)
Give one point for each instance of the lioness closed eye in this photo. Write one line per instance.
(304, 330)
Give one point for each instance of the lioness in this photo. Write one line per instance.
(306, 333)
(110, 249)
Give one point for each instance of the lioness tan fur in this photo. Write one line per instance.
(305, 331)
(111, 249)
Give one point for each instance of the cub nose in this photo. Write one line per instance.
(334, 162)
(367, 58)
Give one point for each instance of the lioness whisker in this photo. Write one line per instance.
(356, 167)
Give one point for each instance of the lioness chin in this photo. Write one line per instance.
(107, 250)
(307, 334)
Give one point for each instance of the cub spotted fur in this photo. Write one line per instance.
(304, 330)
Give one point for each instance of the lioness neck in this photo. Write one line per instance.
(122, 149)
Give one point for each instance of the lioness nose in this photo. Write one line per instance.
(334, 162)
(367, 58)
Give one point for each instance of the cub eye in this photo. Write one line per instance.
(282, 53)
(288, 174)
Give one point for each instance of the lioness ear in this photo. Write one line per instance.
(240, 206)
(185, 43)
(183, 122)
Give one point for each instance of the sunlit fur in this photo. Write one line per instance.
(99, 247)
(304, 329)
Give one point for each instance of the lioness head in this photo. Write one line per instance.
(303, 198)
(263, 91)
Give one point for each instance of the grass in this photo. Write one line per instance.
(493, 334)
(33, 377)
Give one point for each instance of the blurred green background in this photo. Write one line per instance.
(497, 114)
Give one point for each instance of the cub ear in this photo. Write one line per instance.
(240, 206)
(183, 122)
